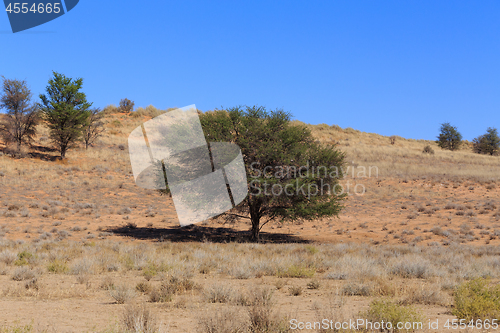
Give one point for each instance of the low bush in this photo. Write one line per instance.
(428, 150)
(477, 299)
(393, 313)
(139, 318)
(122, 294)
(296, 271)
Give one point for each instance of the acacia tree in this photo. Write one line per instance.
(93, 128)
(488, 143)
(19, 124)
(449, 138)
(66, 111)
(290, 175)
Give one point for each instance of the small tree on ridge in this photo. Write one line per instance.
(66, 111)
(449, 138)
(93, 128)
(488, 143)
(19, 124)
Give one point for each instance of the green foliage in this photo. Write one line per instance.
(296, 271)
(274, 151)
(18, 329)
(394, 313)
(22, 116)
(449, 138)
(488, 143)
(477, 299)
(66, 111)
(23, 258)
(57, 266)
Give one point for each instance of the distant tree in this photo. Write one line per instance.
(93, 128)
(19, 123)
(126, 105)
(488, 143)
(273, 150)
(449, 138)
(66, 111)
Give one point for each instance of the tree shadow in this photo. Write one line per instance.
(43, 153)
(196, 233)
(44, 157)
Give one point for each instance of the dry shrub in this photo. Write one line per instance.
(143, 287)
(23, 273)
(280, 283)
(7, 257)
(428, 150)
(218, 293)
(107, 283)
(140, 319)
(314, 284)
(356, 289)
(223, 321)
(428, 295)
(169, 288)
(262, 317)
(122, 294)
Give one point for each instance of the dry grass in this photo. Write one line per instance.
(405, 158)
(56, 243)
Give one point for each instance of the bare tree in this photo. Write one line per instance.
(94, 127)
(19, 124)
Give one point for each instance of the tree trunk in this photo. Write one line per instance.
(255, 227)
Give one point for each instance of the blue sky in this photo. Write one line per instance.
(388, 67)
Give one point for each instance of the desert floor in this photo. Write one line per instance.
(83, 249)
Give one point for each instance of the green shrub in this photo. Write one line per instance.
(296, 271)
(23, 258)
(477, 299)
(57, 266)
(393, 313)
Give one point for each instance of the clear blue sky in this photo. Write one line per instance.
(389, 67)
